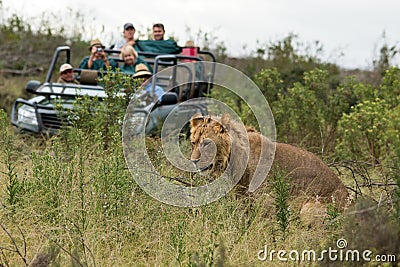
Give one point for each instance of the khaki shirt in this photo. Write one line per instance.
(61, 80)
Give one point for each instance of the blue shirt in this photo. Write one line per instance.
(158, 90)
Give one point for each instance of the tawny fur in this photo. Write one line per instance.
(309, 175)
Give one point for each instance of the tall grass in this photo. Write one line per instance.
(79, 206)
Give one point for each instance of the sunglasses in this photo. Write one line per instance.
(66, 71)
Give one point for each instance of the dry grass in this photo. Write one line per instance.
(84, 209)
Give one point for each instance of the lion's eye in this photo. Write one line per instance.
(206, 142)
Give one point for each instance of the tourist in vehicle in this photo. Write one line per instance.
(158, 31)
(67, 74)
(131, 60)
(142, 72)
(97, 59)
(128, 33)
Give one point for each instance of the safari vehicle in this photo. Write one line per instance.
(180, 81)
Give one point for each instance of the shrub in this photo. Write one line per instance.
(362, 131)
(270, 83)
(300, 114)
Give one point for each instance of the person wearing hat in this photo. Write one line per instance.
(67, 74)
(128, 32)
(142, 72)
(97, 59)
(131, 60)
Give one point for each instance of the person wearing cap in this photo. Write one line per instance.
(129, 32)
(67, 74)
(142, 72)
(158, 31)
(97, 59)
(131, 60)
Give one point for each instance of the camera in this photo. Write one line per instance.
(99, 49)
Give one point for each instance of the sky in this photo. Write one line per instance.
(350, 31)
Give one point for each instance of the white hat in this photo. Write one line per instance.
(65, 67)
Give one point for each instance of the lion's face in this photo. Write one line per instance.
(211, 144)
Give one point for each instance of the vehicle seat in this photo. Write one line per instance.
(88, 77)
(169, 98)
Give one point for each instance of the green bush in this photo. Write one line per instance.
(300, 114)
(370, 128)
(270, 83)
(362, 131)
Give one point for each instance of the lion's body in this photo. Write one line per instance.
(309, 176)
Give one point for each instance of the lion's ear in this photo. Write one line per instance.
(225, 119)
(196, 120)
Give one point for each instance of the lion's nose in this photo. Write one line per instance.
(195, 160)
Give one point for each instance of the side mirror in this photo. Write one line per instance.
(32, 85)
(169, 98)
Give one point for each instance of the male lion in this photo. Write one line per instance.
(220, 144)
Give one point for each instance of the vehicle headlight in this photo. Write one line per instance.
(27, 116)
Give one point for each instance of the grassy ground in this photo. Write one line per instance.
(68, 202)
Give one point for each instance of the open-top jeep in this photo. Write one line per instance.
(182, 76)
